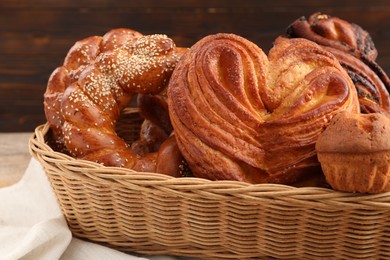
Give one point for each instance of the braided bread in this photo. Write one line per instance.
(157, 137)
(100, 75)
(356, 52)
(238, 115)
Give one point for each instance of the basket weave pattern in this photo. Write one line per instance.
(151, 213)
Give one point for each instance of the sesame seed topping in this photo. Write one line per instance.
(100, 82)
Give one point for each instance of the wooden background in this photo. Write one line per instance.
(36, 35)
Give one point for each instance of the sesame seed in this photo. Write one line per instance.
(113, 73)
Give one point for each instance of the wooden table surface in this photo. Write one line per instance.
(14, 157)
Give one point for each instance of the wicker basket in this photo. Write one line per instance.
(152, 214)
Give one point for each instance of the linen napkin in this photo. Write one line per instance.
(33, 227)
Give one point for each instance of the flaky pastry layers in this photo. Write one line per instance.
(356, 52)
(240, 115)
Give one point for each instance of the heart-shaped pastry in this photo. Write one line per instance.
(240, 115)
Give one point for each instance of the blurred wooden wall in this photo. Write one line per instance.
(35, 35)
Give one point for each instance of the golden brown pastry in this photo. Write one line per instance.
(86, 95)
(157, 137)
(336, 33)
(156, 127)
(355, 50)
(354, 152)
(238, 115)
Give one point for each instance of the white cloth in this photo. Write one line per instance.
(33, 227)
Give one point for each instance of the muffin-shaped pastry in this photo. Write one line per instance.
(354, 152)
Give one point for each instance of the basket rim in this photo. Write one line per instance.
(183, 186)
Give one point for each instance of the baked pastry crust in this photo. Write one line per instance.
(356, 52)
(240, 115)
(354, 152)
(100, 75)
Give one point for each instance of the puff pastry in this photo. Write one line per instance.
(240, 115)
(355, 50)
